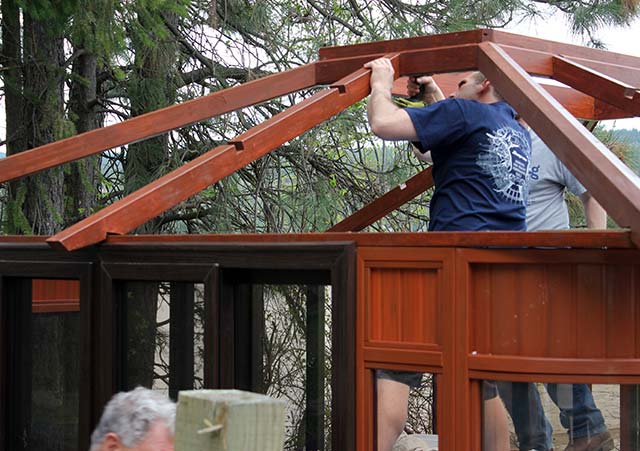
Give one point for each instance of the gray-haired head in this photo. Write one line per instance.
(131, 414)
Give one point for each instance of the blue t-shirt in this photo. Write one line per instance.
(480, 164)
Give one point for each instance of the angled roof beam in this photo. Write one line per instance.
(505, 38)
(156, 122)
(166, 192)
(612, 183)
(541, 63)
(595, 84)
(386, 203)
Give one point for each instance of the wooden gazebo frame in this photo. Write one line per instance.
(460, 328)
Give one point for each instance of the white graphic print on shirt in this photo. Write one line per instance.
(506, 160)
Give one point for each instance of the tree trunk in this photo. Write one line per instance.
(152, 87)
(82, 179)
(37, 202)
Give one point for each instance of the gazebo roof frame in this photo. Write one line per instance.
(601, 85)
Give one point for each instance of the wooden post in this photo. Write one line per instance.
(228, 420)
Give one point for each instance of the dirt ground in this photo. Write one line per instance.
(607, 398)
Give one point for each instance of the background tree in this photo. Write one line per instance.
(82, 64)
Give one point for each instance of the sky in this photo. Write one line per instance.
(552, 27)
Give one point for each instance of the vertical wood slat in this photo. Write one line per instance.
(504, 309)
(105, 343)
(563, 325)
(4, 360)
(590, 311)
(620, 312)
(212, 301)
(629, 417)
(181, 338)
(534, 312)
(314, 384)
(403, 304)
(343, 350)
(248, 336)
(20, 365)
(226, 333)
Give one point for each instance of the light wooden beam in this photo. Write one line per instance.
(612, 183)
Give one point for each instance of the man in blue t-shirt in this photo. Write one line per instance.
(481, 160)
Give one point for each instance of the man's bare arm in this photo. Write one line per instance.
(593, 211)
(386, 119)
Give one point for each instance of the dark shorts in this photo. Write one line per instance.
(412, 379)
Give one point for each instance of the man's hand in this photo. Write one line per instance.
(381, 74)
(432, 92)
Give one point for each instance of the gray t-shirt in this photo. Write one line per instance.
(548, 178)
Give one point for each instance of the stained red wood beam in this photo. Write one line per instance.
(402, 45)
(595, 84)
(166, 192)
(612, 183)
(386, 203)
(156, 122)
(541, 63)
(570, 50)
(439, 60)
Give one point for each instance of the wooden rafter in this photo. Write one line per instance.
(386, 203)
(155, 123)
(612, 183)
(600, 86)
(166, 192)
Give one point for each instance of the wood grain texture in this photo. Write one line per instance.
(609, 180)
(156, 122)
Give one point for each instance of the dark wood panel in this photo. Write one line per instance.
(156, 122)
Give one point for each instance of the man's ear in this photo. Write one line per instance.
(485, 86)
(111, 442)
